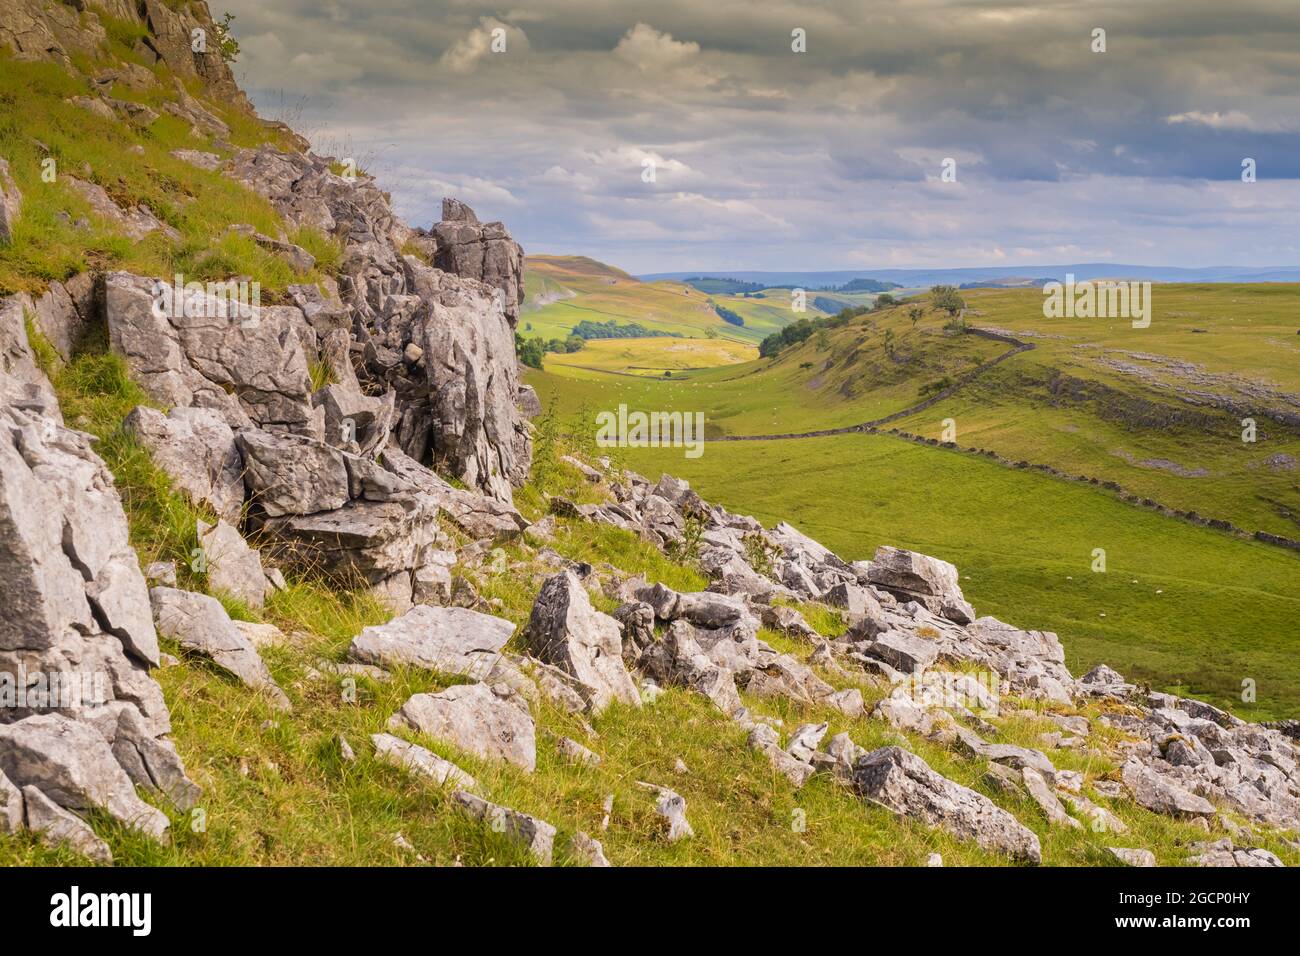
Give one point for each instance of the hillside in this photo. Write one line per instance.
(564, 290)
(300, 571)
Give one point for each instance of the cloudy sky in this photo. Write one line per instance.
(766, 158)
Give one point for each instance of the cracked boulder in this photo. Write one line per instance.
(473, 718)
(905, 784)
(910, 576)
(196, 448)
(186, 347)
(203, 627)
(451, 640)
(565, 631)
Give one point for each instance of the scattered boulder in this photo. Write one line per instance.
(1224, 853)
(473, 718)
(588, 850)
(1132, 857)
(452, 640)
(919, 577)
(567, 632)
(904, 783)
(58, 826)
(1160, 794)
(232, 566)
(671, 807)
(203, 627)
(419, 761)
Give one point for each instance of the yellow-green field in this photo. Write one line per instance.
(650, 357)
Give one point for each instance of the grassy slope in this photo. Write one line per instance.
(1024, 543)
(844, 379)
(1249, 333)
(200, 205)
(277, 792)
(848, 376)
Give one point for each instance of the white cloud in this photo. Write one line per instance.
(1229, 120)
(650, 50)
(464, 55)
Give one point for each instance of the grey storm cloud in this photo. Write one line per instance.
(766, 158)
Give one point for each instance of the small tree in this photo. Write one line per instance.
(226, 44)
(945, 297)
(915, 313)
(889, 342)
(884, 300)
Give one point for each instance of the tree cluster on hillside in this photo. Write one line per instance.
(587, 329)
(800, 331)
(532, 351)
(712, 284)
(734, 318)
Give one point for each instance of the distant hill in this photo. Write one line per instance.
(923, 278)
(866, 285)
(725, 286)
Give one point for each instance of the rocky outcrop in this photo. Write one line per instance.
(483, 251)
(438, 339)
(52, 30)
(87, 724)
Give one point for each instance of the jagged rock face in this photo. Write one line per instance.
(250, 366)
(77, 616)
(437, 339)
(66, 311)
(483, 251)
(22, 384)
(458, 399)
(52, 30)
